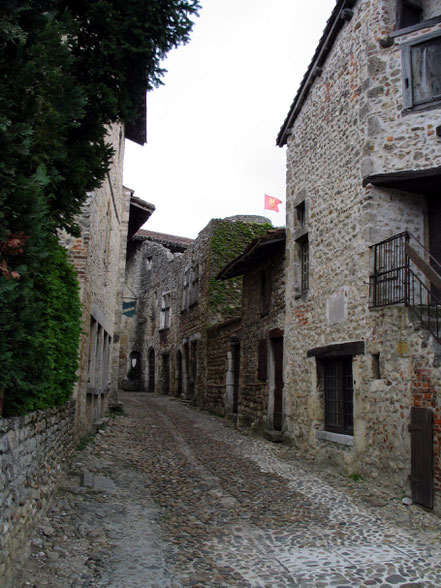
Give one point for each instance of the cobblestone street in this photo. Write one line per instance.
(167, 496)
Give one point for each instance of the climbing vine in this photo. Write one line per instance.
(229, 239)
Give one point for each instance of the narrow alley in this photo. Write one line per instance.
(167, 496)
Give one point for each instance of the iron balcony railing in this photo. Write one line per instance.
(405, 272)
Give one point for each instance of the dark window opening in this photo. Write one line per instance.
(376, 370)
(409, 13)
(304, 251)
(338, 392)
(300, 212)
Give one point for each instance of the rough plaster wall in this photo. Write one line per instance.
(351, 125)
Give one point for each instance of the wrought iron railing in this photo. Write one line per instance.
(405, 272)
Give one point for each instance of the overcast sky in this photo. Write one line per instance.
(212, 127)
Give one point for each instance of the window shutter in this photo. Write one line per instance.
(262, 366)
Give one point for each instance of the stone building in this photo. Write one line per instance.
(255, 360)
(110, 215)
(179, 317)
(150, 310)
(362, 331)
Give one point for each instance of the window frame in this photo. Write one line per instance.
(340, 417)
(402, 5)
(409, 103)
(304, 265)
(165, 317)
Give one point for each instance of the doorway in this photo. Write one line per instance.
(275, 405)
(179, 378)
(151, 363)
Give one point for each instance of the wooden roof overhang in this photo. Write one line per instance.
(258, 251)
(419, 181)
(140, 212)
(342, 12)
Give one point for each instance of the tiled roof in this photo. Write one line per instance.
(172, 242)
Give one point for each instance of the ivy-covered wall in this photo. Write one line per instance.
(230, 237)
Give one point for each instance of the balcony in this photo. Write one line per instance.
(406, 273)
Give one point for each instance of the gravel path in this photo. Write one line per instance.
(167, 496)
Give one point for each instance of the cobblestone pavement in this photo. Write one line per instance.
(167, 496)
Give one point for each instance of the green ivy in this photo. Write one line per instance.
(68, 70)
(229, 239)
(45, 360)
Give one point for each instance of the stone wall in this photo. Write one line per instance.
(152, 271)
(352, 125)
(217, 396)
(34, 451)
(256, 327)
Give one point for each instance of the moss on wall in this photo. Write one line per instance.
(229, 239)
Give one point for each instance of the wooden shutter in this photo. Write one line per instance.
(262, 366)
(422, 455)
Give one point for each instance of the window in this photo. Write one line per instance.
(300, 211)
(304, 252)
(422, 73)
(194, 284)
(265, 291)
(409, 13)
(186, 288)
(338, 392)
(164, 322)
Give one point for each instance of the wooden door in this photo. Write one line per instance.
(166, 373)
(179, 365)
(278, 383)
(236, 374)
(422, 456)
(151, 387)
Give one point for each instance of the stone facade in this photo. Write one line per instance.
(184, 319)
(256, 392)
(99, 256)
(34, 451)
(350, 133)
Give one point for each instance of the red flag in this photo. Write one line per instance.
(272, 203)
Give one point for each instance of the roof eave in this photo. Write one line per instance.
(333, 27)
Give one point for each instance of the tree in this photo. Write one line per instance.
(68, 70)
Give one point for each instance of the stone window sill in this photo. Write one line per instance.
(338, 438)
(97, 391)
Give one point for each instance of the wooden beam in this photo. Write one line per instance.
(423, 266)
(337, 350)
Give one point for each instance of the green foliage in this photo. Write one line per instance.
(68, 70)
(42, 354)
(84, 442)
(229, 239)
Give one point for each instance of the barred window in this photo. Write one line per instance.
(305, 265)
(339, 391)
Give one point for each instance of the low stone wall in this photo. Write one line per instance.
(34, 450)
